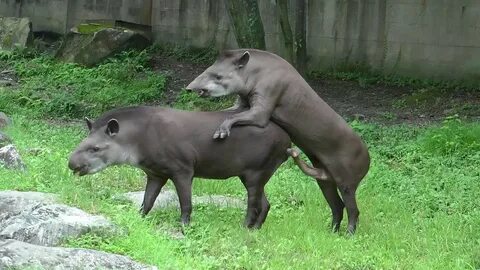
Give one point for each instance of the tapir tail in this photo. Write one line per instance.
(317, 173)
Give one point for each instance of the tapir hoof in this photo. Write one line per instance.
(293, 152)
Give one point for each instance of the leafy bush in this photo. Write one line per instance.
(192, 101)
(55, 89)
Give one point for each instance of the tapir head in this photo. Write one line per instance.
(99, 150)
(224, 77)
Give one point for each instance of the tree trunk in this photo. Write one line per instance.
(300, 36)
(247, 23)
(286, 28)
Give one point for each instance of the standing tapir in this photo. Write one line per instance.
(174, 144)
(270, 88)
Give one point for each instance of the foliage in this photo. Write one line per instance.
(49, 88)
(193, 102)
(419, 200)
(367, 77)
(419, 203)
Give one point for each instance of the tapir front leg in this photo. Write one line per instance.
(153, 188)
(258, 115)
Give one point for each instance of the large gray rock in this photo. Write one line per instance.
(20, 255)
(15, 32)
(4, 139)
(10, 158)
(4, 120)
(35, 218)
(90, 49)
(168, 198)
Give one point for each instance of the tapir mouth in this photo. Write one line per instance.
(202, 92)
(81, 171)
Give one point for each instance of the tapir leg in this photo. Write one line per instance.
(348, 195)
(254, 182)
(329, 190)
(154, 185)
(254, 193)
(265, 207)
(183, 185)
(347, 185)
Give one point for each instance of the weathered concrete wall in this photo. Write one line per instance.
(133, 11)
(46, 15)
(60, 15)
(203, 23)
(427, 38)
(422, 38)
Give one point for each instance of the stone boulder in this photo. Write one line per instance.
(36, 218)
(19, 255)
(4, 120)
(90, 49)
(10, 158)
(8, 78)
(4, 140)
(15, 33)
(168, 198)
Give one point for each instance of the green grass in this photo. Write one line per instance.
(419, 203)
(419, 206)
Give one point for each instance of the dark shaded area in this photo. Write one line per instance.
(247, 23)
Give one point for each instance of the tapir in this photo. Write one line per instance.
(269, 88)
(175, 144)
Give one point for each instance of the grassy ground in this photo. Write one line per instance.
(419, 203)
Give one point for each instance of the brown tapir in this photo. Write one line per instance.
(174, 144)
(270, 88)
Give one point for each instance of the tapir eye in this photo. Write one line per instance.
(94, 149)
(218, 77)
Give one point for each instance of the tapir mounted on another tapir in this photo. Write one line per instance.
(269, 88)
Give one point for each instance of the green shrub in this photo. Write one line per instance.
(49, 88)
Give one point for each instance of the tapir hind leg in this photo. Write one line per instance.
(183, 185)
(329, 190)
(347, 185)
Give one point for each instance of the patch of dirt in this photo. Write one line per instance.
(179, 74)
(373, 103)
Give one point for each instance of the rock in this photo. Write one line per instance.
(4, 120)
(168, 198)
(90, 49)
(36, 218)
(4, 140)
(10, 158)
(19, 255)
(359, 116)
(15, 33)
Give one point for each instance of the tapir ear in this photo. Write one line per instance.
(112, 127)
(89, 123)
(243, 60)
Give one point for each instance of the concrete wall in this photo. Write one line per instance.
(133, 11)
(46, 15)
(60, 15)
(425, 38)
